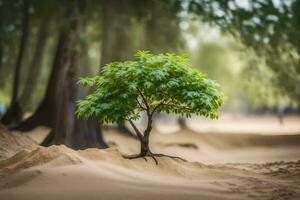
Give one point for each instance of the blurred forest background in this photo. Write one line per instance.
(251, 47)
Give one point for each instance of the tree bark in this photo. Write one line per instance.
(35, 64)
(67, 128)
(1, 54)
(14, 113)
(46, 111)
(145, 149)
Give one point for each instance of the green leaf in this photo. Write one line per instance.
(122, 87)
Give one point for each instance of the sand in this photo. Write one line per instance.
(11, 143)
(215, 148)
(233, 167)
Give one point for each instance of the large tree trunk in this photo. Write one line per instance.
(46, 111)
(14, 113)
(67, 128)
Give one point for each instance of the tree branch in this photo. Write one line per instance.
(142, 107)
(145, 101)
(155, 108)
(139, 134)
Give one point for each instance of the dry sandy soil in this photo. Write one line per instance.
(237, 166)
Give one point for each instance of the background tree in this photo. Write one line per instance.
(269, 28)
(143, 30)
(31, 70)
(150, 84)
(41, 28)
(57, 108)
(11, 29)
(14, 114)
(68, 130)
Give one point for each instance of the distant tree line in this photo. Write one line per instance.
(270, 28)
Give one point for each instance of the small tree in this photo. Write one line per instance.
(150, 84)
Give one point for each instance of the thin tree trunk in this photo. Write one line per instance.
(14, 113)
(1, 54)
(35, 65)
(145, 150)
(182, 122)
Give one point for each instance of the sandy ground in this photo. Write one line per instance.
(220, 166)
(237, 124)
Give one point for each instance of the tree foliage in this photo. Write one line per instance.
(270, 28)
(152, 83)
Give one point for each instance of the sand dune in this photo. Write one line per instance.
(11, 143)
(58, 172)
(233, 169)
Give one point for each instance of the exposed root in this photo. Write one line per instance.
(163, 155)
(134, 156)
(152, 155)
